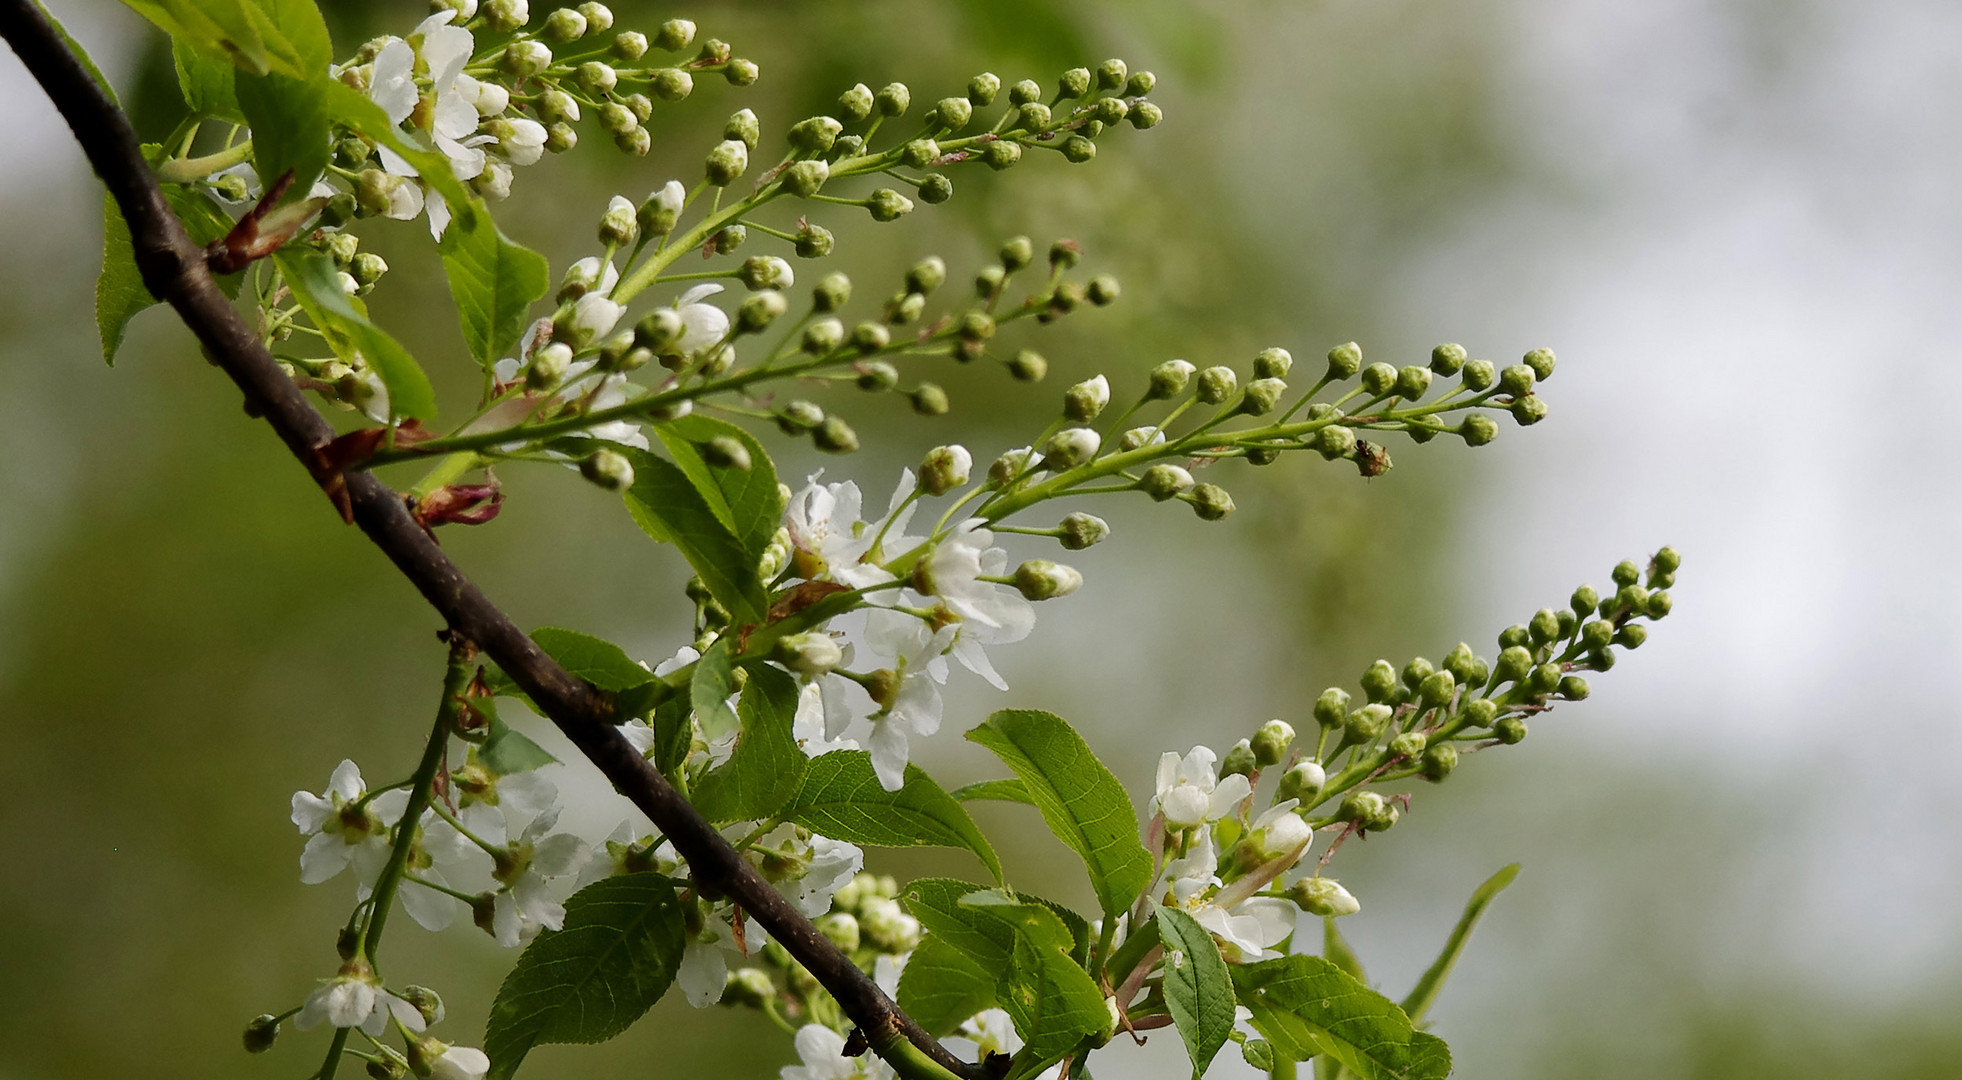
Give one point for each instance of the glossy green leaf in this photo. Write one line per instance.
(984, 931)
(596, 660)
(287, 37)
(1052, 1000)
(943, 986)
(507, 750)
(1198, 987)
(1424, 994)
(1083, 803)
(316, 286)
(291, 130)
(744, 500)
(494, 283)
(995, 791)
(674, 735)
(119, 289)
(668, 507)
(842, 799)
(206, 83)
(588, 982)
(81, 55)
(767, 766)
(714, 679)
(1305, 1005)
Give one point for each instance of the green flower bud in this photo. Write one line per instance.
(1379, 378)
(1079, 530)
(1517, 380)
(1478, 429)
(1568, 623)
(936, 189)
(894, 99)
(1437, 688)
(1380, 681)
(832, 292)
(1028, 366)
(727, 162)
(674, 35)
(952, 113)
(1168, 380)
(1545, 626)
(1667, 561)
(1344, 361)
(813, 241)
(1033, 115)
(1363, 807)
(888, 205)
(628, 45)
(920, 153)
(1479, 712)
(1107, 111)
(1262, 395)
(1239, 761)
(1515, 635)
(1010, 466)
(989, 281)
(799, 417)
(1529, 410)
(1016, 253)
(1103, 290)
(608, 469)
(1216, 384)
(1073, 83)
(1633, 598)
(1065, 254)
(1263, 455)
(1596, 635)
(526, 58)
(1541, 361)
(1632, 636)
(260, 1034)
(1415, 672)
(1332, 708)
(561, 137)
(1514, 663)
(905, 308)
(1271, 742)
(809, 654)
(1069, 448)
(1627, 573)
(1510, 731)
(1413, 382)
(805, 178)
(759, 311)
(1001, 154)
(505, 16)
(595, 77)
(752, 987)
(1040, 579)
(1601, 661)
(929, 400)
(1447, 359)
(1658, 605)
(1082, 402)
(815, 135)
(855, 104)
(636, 142)
(599, 17)
(1437, 763)
(1140, 84)
(1210, 502)
(834, 436)
(1458, 662)
(1304, 780)
(841, 930)
(1111, 74)
(944, 469)
(1585, 600)
(1544, 679)
(1145, 114)
(367, 267)
(822, 337)
(1366, 725)
(547, 367)
(1077, 149)
(1272, 363)
(1408, 745)
(1316, 896)
(1574, 688)
(877, 376)
(1334, 442)
(981, 89)
(1479, 374)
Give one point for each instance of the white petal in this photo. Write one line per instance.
(350, 1002)
(702, 974)
(346, 782)
(404, 1013)
(560, 855)
(697, 293)
(1274, 916)
(889, 753)
(430, 909)
(391, 85)
(705, 324)
(310, 812)
(439, 213)
(460, 1063)
(388, 806)
(446, 49)
(325, 855)
(1227, 796)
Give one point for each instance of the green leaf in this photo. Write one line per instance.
(985, 932)
(1335, 949)
(1052, 1000)
(351, 107)
(260, 36)
(81, 55)
(745, 500)
(842, 799)
(493, 282)
(1305, 1005)
(943, 986)
(995, 790)
(206, 83)
(1424, 994)
(709, 688)
(291, 130)
(767, 766)
(596, 660)
(1198, 987)
(1083, 803)
(1430, 1059)
(312, 278)
(616, 956)
(674, 736)
(119, 289)
(507, 750)
(670, 508)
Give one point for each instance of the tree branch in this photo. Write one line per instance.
(174, 270)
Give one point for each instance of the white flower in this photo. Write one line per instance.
(705, 324)
(887, 969)
(495, 806)
(1140, 437)
(1280, 830)
(460, 1063)
(1070, 446)
(527, 906)
(990, 613)
(833, 863)
(823, 522)
(808, 726)
(612, 392)
(1189, 792)
(392, 84)
(526, 142)
(340, 831)
(1254, 926)
(670, 197)
(492, 99)
(990, 1031)
(704, 970)
(822, 1051)
(593, 316)
(354, 998)
(916, 706)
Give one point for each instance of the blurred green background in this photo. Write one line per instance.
(1740, 856)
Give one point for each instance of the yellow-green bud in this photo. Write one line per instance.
(886, 204)
(1632, 636)
(919, 153)
(1529, 410)
(1332, 708)
(628, 45)
(1363, 807)
(929, 400)
(547, 367)
(952, 113)
(1367, 723)
(1320, 896)
(832, 292)
(1040, 579)
(1335, 441)
(1447, 359)
(1516, 379)
(750, 987)
(1658, 605)
(894, 99)
(981, 89)
(1016, 253)
(1344, 361)
(1304, 781)
(727, 162)
(1073, 83)
(855, 104)
(1145, 115)
(1210, 502)
(1238, 761)
(1103, 290)
(1510, 730)
(1479, 712)
(1027, 365)
(1164, 481)
(1413, 382)
(1585, 600)
(1379, 683)
(725, 452)
(1541, 361)
(674, 35)
(1086, 399)
(526, 58)
(1077, 149)
(1262, 395)
(805, 178)
(506, 15)
(877, 376)
(944, 469)
(1408, 745)
(1437, 688)
(1001, 154)
(1515, 662)
(659, 330)
(1272, 363)
(608, 469)
(799, 417)
(1437, 762)
(1216, 384)
(1478, 429)
(1070, 447)
(823, 336)
(260, 1034)
(1111, 74)
(1574, 688)
(1169, 379)
(1379, 378)
(834, 436)
(760, 311)
(1271, 742)
(1479, 374)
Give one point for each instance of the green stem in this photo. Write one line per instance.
(185, 170)
(334, 1049)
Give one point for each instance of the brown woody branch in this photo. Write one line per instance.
(175, 271)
